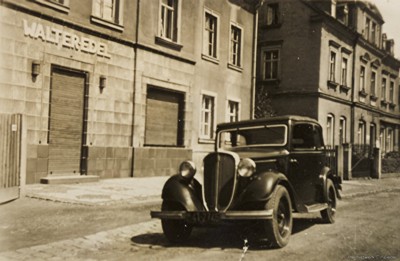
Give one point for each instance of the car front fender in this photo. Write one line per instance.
(187, 193)
(260, 187)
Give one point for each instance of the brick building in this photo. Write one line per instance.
(112, 88)
(330, 60)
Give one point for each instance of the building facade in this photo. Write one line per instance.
(113, 88)
(330, 60)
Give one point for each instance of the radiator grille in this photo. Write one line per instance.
(219, 180)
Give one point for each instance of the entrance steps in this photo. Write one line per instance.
(69, 179)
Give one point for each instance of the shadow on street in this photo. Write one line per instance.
(224, 237)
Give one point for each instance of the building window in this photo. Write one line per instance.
(373, 83)
(366, 28)
(207, 117)
(271, 61)
(391, 92)
(382, 139)
(362, 78)
(342, 129)
(108, 13)
(361, 133)
(373, 33)
(389, 140)
(344, 71)
(236, 46)
(169, 20)
(342, 13)
(383, 90)
(210, 35)
(233, 111)
(164, 117)
(332, 66)
(272, 14)
(330, 131)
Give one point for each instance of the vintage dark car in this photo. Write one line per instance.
(261, 171)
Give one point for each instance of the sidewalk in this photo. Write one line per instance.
(148, 190)
(104, 192)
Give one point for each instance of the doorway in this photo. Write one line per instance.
(67, 121)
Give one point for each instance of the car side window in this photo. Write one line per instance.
(306, 136)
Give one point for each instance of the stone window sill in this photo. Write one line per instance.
(168, 43)
(55, 6)
(109, 24)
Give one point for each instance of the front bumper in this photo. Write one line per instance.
(203, 217)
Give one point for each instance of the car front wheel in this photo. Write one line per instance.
(279, 228)
(176, 231)
(328, 215)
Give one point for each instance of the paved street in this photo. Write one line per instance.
(367, 228)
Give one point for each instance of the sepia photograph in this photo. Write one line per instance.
(200, 130)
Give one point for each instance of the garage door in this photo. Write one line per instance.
(66, 122)
(164, 118)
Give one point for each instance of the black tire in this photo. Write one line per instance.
(279, 228)
(176, 231)
(329, 214)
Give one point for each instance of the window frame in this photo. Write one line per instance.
(362, 78)
(391, 91)
(239, 43)
(214, 56)
(330, 130)
(389, 139)
(344, 72)
(116, 23)
(343, 129)
(373, 32)
(367, 29)
(372, 83)
(361, 133)
(332, 65)
(264, 62)
(384, 88)
(176, 20)
(275, 13)
(229, 114)
(55, 5)
(203, 136)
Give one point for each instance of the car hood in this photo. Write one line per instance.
(261, 153)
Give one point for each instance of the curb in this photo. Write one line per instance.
(365, 193)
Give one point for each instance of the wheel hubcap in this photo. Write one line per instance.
(283, 219)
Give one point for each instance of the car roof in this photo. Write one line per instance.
(276, 119)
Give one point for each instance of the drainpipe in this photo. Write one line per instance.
(254, 65)
(352, 116)
(135, 48)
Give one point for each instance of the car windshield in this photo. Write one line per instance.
(260, 136)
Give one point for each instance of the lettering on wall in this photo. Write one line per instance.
(65, 39)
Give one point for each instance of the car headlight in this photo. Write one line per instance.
(246, 167)
(187, 169)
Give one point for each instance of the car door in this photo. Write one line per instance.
(306, 161)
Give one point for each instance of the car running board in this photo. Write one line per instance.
(316, 207)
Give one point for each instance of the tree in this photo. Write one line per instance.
(263, 106)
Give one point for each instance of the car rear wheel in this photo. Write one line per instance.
(328, 215)
(279, 228)
(176, 231)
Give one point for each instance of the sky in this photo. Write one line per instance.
(390, 10)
